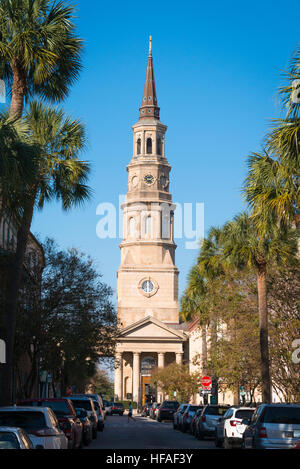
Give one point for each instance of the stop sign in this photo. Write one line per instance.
(206, 381)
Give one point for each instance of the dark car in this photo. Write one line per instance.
(87, 434)
(194, 420)
(166, 410)
(188, 415)
(66, 416)
(87, 404)
(117, 408)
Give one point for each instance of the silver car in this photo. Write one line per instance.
(40, 423)
(178, 415)
(273, 426)
(14, 438)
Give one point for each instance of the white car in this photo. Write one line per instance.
(14, 438)
(230, 428)
(40, 423)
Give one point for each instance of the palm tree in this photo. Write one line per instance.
(40, 54)
(60, 175)
(272, 190)
(246, 247)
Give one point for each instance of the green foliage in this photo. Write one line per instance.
(177, 378)
(37, 38)
(73, 326)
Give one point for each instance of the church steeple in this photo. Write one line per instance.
(149, 108)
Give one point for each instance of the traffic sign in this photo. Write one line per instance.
(206, 381)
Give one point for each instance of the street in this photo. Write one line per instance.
(144, 433)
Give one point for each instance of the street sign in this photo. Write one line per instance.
(206, 381)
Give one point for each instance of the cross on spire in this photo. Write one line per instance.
(149, 108)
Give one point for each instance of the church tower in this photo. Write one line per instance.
(148, 277)
(147, 289)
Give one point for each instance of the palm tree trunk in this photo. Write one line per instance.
(204, 349)
(18, 90)
(263, 332)
(14, 284)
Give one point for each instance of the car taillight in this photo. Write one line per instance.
(262, 433)
(203, 418)
(233, 423)
(44, 432)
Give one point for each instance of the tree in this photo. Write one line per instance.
(40, 52)
(58, 174)
(73, 325)
(102, 384)
(177, 378)
(246, 247)
(284, 306)
(271, 189)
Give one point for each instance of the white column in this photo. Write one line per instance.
(160, 364)
(179, 358)
(136, 377)
(161, 360)
(118, 376)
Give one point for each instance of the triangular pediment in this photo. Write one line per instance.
(151, 328)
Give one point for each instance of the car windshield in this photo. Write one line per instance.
(170, 405)
(8, 440)
(23, 419)
(59, 407)
(288, 415)
(84, 404)
(244, 414)
(216, 410)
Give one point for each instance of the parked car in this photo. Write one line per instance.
(87, 404)
(297, 445)
(167, 410)
(99, 407)
(87, 425)
(273, 426)
(230, 429)
(194, 419)
(117, 408)
(107, 407)
(40, 423)
(178, 414)
(66, 416)
(154, 410)
(146, 410)
(14, 438)
(208, 420)
(187, 417)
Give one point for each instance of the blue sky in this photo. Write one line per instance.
(217, 65)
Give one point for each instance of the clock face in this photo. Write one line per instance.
(135, 181)
(149, 179)
(147, 286)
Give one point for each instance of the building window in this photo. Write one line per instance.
(159, 146)
(138, 146)
(149, 146)
(148, 225)
(131, 227)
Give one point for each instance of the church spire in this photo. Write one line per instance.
(149, 108)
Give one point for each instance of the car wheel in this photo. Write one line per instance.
(227, 445)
